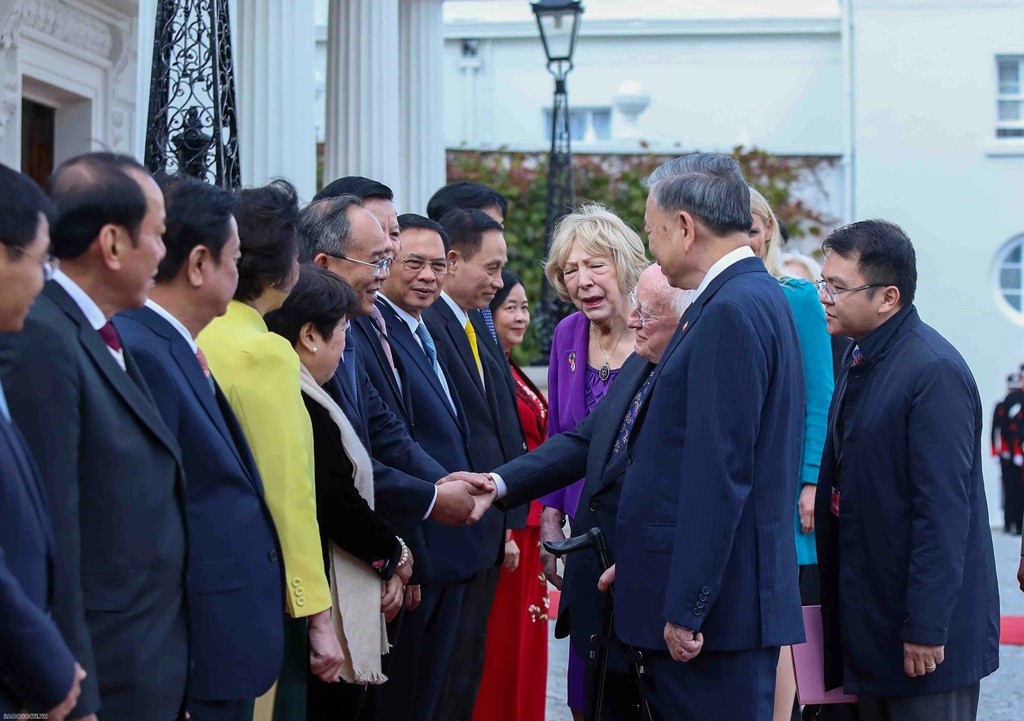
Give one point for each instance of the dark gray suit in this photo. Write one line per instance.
(115, 488)
(561, 460)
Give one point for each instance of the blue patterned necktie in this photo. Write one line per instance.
(489, 322)
(428, 347)
(4, 410)
(431, 352)
(631, 414)
(858, 357)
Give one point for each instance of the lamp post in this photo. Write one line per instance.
(559, 24)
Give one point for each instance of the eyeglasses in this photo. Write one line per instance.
(829, 291)
(49, 264)
(415, 265)
(643, 317)
(381, 266)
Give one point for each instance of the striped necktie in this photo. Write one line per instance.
(431, 352)
(471, 335)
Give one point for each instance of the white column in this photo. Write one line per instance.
(421, 109)
(274, 60)
(363, 99)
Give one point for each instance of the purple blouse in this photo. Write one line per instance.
(574, 388)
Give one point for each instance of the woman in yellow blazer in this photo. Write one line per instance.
(258, 371)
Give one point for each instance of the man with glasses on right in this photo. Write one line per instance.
(910, 606)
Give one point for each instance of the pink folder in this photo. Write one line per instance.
(809, 662)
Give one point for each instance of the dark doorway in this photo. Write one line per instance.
(37, 134)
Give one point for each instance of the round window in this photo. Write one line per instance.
(1010, 277)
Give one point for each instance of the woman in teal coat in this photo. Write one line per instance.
(816, 354)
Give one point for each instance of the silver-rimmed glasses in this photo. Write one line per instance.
(829, 292)
(381, 266)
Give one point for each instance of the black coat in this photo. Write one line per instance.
(909, 558)
(562, 460)
(116, 491)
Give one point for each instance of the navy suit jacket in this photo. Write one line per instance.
(563, 459)
(403, 473)
(704, 530)
(379, 370)
(116, 491)
(910, 556)
(235, 585)
(455, 553)
(36, 666)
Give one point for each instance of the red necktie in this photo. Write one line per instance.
(109, 334)
(201, 357)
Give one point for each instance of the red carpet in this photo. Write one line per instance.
(1012, 631)
(554, 594)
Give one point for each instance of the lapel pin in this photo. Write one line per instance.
(685, 323)
(572, 362)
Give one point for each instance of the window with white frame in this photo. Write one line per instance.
(1010, 275)
(1010, 97)
(586, 125)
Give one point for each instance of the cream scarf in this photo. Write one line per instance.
(355, 587)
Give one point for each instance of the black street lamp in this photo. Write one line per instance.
(559, 24)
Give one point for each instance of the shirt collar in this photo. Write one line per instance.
(175, 323)
(87, 305)
(407, 318)
(724, 262)
(461, 315)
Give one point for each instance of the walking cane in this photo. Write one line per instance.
(594, 540)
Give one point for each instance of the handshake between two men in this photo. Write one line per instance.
(467, 496)
(463, 498)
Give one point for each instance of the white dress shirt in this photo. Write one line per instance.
(724, 262)
(88, 306)
(463, 318)
(175, 323)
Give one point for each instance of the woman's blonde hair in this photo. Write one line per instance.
(600, 233)
(759, 207)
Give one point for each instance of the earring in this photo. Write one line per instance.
(315, 349)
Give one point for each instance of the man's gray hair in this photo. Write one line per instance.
(681, 300)
(708, 185)
(324, 226)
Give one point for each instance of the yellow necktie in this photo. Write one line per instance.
(471, 334)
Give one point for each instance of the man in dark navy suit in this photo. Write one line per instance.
(707, 582)
(910, 607)
(590, 450)
(235, 585)
(339, 235)
(436, 419)
(110, 466)
(707, 572)
(37, 669)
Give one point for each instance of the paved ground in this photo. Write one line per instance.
(1002, 694)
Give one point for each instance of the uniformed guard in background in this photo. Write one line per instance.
(1008, 444)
